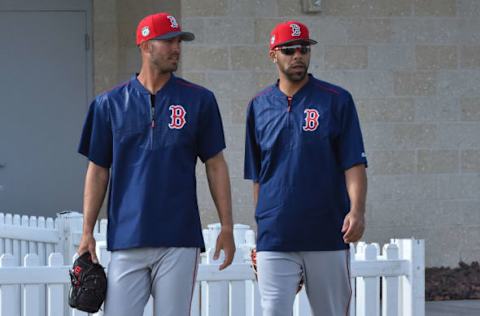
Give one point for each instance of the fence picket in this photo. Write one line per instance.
(2, 241)
(231, 292)
(217, 298)
(24, 243)
(353, 282)
(103, 226)
(8, 241)
(368, 292)
(49, 225)
(31, 294)
(32, 245)
(15, 242)
(148, 310)
(390, 284)
(55, 297)
(40, 245)
(195, 308)
(237, 298)
(9, 294)
(301, 306)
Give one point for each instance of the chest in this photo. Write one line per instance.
(154, 122)
(294, 122)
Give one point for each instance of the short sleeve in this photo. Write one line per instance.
(96, 139)
(252, 150)
(211, 139)
(351, 150)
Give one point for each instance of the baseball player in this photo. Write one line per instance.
(305, 155)
(144, 138)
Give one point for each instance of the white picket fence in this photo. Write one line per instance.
(34, 277)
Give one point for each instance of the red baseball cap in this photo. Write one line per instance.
(160, 26)
(289, 32)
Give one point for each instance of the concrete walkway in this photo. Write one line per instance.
(453, 308)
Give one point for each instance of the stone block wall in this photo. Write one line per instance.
(413, 67)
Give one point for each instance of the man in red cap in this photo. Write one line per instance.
(144, 137)
(304, 152)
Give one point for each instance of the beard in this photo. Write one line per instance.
(295, 72)
(166, 65)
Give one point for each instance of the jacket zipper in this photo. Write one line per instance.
(152, 118)
(289, 108)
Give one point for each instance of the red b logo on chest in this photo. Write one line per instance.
(311, 120)
(177, 116)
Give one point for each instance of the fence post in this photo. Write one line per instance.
(9, 294)
(69, 223)
(413, 285)
(418, 275)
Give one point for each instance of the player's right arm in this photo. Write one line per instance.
(96, 182)
(256, 189)
(252, 153)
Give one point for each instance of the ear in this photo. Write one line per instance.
(144, 46)
(273, 56)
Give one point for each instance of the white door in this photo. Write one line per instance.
(44, 93)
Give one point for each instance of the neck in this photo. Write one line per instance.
(153, 80)
(289, 87)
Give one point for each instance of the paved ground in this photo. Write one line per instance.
(453, 308)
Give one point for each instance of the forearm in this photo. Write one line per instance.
(96, 182)
(356, 181)
(256, 189)
(219, 184)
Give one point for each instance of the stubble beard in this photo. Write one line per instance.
(164, 66)
(295, 75)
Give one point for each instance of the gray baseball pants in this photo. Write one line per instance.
(326, 275)
(168, 274)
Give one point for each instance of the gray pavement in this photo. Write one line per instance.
(453, 308)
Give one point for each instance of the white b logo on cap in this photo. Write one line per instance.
(145, 31)
(295, 29)
(173, 21)
(272, 40)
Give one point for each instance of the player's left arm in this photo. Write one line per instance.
(354, 222)
(219, 184)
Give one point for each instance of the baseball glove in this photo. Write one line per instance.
(253, 256)
(88, 284)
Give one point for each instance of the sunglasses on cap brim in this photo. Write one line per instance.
(290, 50)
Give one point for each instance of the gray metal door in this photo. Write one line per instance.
(44, 93)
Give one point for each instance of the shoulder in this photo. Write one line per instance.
(102, 100)
(261, 96)
(333, 90)
(193, 88)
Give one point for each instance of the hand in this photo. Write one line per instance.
(353, 227)
(88, 243)
(225, 242)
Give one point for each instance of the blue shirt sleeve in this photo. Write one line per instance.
(96, 140)
(252, 149)
(211, 139)
(351, 151)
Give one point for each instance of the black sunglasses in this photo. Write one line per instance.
(290, 50)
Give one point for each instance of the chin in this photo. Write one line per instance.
(297, 76)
